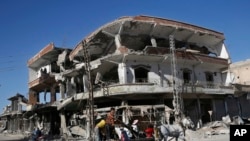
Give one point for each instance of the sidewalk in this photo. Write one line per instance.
(20, 137)
(12, 137)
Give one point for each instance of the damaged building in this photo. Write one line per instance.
(137, 65)
(44, 90)
(240, 80)
(12, 117)
(129, 62)
(130, 65)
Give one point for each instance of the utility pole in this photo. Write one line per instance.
(90, 86)
(177, 99)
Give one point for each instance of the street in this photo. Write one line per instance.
(19, 137)
(10, 137)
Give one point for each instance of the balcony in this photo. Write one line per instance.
(207, 87)
(146, 90)
(143, 85)
(42, 82)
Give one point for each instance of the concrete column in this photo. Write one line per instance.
(85, 83)
(125, 118)
(19, 105)
(62, 90)
(117, 41)
(161, 75)
(52, 94)
(122, 72)
(63, 123)
(12, 124)
(68, 87)
(199, 123)
(153, 42)
(72, 81)
(73, 86)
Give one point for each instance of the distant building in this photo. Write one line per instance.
(241, 81)
(13, 114)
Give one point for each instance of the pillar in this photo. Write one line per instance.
(85, 83)
(62, 90)
(122, 72)
(52, 94)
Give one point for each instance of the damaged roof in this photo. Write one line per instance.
(17, 96)
(47, 55)
(135, 33)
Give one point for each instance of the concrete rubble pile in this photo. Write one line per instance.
(215, 129)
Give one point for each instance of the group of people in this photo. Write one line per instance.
(107, 125)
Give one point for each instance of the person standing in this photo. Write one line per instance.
(110, 121)
(149, 131)
(134, 125)
(100, 123)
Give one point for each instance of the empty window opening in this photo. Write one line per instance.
(209, 79)
(78, 80)
(55, 68)
(186, 76)
(111, 76)
(141, 74)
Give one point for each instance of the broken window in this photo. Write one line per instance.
(111, 76)
(209, 79)
(186, 76)
(162, 42)
(78, 80)
(55, 68)
(141, 74)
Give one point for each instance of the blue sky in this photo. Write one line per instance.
(26, 26)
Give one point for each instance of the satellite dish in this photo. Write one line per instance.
(98, 77)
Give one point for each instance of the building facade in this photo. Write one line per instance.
(146, 67)
(12, 116)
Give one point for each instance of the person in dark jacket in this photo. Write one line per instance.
(36, 134)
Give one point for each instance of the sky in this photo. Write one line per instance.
(27, 26)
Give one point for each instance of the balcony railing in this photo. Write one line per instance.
(141, 80)
(204, 84)
(182, 83)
